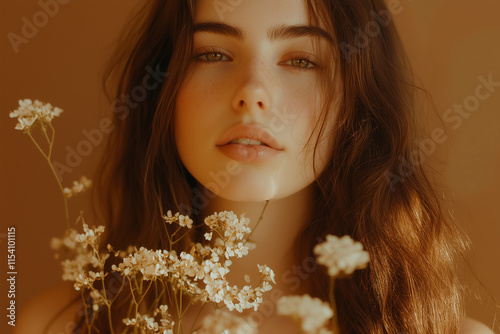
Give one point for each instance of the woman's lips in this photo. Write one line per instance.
(248, 153)
(249, 143)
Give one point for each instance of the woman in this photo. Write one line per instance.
(291, 103)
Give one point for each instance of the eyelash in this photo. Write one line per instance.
(208, 51)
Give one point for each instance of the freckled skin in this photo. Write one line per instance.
(255, 83)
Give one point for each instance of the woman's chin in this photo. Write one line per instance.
(248, 193)
(257, 191)
(253, 184)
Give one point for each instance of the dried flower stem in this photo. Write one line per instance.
(145, 292)
(86, 313)
(258, 221)
(333, 306)
(197, 317)
(179, 311)
(159, 295)
(108, 304)
(49, 141)
(47, 157)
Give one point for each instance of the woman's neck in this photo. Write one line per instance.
(275, 237)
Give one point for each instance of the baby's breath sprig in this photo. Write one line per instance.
(341, 257)
(198, 275)
(29, 114)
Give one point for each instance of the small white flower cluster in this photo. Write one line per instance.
(342, 256)
(225, 323)
(231, 232)
(200, 273)
(68, 242)
(203, 264)
(148, 325)
(183, 221)
(28, 112)
(311, 313)
(87, 264)
(218, 290)
(78, 187)
(162, 264)
(90, 236)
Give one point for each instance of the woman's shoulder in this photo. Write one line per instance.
(471, 326)
(52, 311)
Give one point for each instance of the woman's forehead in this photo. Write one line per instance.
(253, 13)
(254, 20)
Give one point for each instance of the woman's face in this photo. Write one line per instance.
(251, 99)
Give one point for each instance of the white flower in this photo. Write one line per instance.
(97, 300)
(341, 255)
(151, 264)
(225, 322)
(184, 221)
(78, 187)
(86, 264)
(28, 112)
(228, 225)
(311, 313)
(68, 241)
(56, 243)
(77, 270)
(266, 273)
(218, 289)
(90, 236)
(147, 324)
(166, 323)
(232, 232)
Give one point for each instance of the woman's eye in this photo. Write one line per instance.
(302, 63)
(211, 56)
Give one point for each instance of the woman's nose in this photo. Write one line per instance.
(253, 90)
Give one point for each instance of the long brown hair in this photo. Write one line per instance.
(377, 190)
(374, 187)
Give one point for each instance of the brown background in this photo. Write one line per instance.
(450, 44)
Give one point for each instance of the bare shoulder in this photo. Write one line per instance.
(52, 311)
(471, 326)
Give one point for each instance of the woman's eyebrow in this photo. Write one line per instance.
(278, 32)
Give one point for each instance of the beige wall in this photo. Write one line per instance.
(450, 44)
